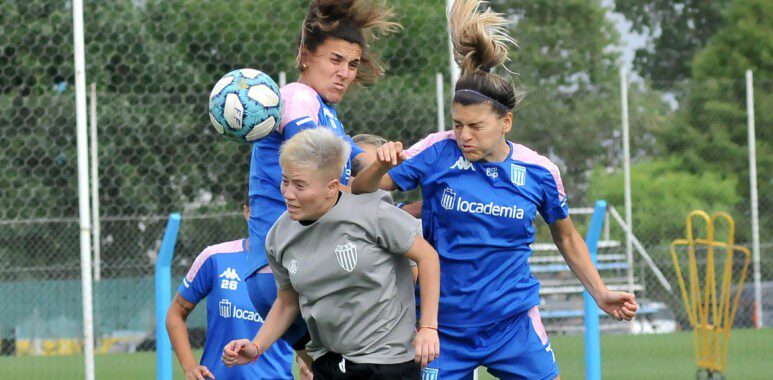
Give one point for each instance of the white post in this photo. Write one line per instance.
(282, 79)
(83, 186)
(627, 175)
(95, 228)
(455, 71)
(441, 114)
(754, 200)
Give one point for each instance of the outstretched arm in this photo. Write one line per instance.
(375, 176)
(282, 314)
(620, 305)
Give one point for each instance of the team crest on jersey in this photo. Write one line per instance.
(462, 164)
(347, 256)
(448, 199)
(517, 175)
(293, 268)
(225, 308)
(429, 373)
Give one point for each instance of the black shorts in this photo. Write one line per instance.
(331, 366)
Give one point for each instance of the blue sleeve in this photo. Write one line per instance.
(296, 126)
(356, 150)
(553, 206)
(197, 283)
(410, 174)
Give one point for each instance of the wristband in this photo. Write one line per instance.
(257, 348)
(427, 327)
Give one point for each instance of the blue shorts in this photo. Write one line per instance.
(516, 348)
(262, 290)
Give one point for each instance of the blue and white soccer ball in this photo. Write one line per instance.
(245, 105)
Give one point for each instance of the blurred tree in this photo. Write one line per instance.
(711, 130)
(676, 30)
(664, 193)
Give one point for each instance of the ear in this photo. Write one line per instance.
(507, 123)
(303, 56)
(332, 187)
(246, 211)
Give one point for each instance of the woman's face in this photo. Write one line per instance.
(332, 68)
(480, 131)
(308, 194)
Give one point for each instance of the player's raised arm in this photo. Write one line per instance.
(375, 176)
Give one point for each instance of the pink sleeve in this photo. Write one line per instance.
(428, 142)
(300, 102)
(525, 154)
(227, 247)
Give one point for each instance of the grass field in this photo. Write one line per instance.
(659, 357)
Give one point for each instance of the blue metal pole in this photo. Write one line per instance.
(592, 339)
(164, 297)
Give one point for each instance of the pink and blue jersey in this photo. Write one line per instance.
(303, 109)
(218, 275)
(479, 216)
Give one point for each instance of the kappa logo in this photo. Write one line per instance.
(230, 279)
(293, 268)
(462, 164)
(230, 273)
(347, 256)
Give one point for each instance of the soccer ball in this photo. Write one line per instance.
(245, 105)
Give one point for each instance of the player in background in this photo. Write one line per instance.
(217, 274)
(333, 54)
(340, 261)
(481, 195)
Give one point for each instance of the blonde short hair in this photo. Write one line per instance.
(368, 139)
(317, 148)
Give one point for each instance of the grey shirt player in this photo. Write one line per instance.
(352, 276)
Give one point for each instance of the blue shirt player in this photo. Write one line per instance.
(333, 50)
(217, 275)
(481, 195)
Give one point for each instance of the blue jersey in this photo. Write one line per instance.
(303, 109)
(479, 216)
(217, 274)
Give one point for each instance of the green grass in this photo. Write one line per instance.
(663, 357)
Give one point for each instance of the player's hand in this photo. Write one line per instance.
(391, 154)
(238, 352)
(304, 369)
(620, 305)
(198, 372)
(426, 346)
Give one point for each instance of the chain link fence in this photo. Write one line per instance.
(152, 64)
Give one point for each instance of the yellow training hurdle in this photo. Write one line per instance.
(710, 309)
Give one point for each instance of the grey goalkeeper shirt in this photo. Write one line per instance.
(352, 276)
